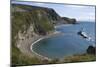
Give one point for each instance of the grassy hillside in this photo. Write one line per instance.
(80, 58)
(22, 17)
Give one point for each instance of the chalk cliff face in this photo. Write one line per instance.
(42, 19)
(31, 20)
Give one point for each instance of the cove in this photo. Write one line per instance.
(67, 44)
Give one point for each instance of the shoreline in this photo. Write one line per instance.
(41, 38)
(57, 26)
(25, 46)
(36, 52)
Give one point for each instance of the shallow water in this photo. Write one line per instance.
(68, 43)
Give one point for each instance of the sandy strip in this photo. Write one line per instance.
(43, 37)
(36, 52)
(26, 45)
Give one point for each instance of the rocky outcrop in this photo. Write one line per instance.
(91, 50)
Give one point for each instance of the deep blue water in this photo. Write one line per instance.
(68, 43)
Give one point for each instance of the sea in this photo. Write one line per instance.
(69, 42)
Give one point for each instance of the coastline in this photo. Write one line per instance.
(26, 45)
(57, 26)
(41, 38)
(40, 56)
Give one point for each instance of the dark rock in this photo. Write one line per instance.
(91, 50)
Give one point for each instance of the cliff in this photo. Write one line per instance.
(28, 24)
(41, 19)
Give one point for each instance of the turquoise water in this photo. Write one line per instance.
(68, 43)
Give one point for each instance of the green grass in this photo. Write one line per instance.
(20, 59)
(80, 58)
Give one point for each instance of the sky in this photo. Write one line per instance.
(79, 12)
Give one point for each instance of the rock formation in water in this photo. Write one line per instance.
(91, 50)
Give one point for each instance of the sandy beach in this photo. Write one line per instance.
(26, 45)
